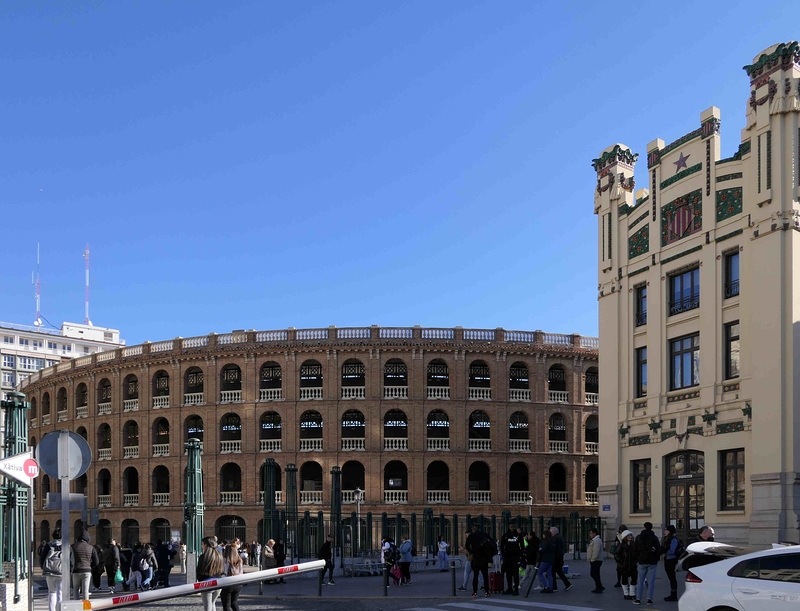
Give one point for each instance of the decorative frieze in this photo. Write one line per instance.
(638, 271)
(639, 440)
(732, 176)
(691, 421)
(783, 57)
(683, 396)
(729, 203)
(696, 431)
(730, 387)
(730, 427)
(744, 148)
(727, 236)
(639, 242)
(615, 155)
(667, 434)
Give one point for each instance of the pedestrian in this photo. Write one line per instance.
(390, 558)
(326, 553)
(405, 558)
(209, 566)
(268, 559)
(625, 557)
(164, 554)
(442, 544)
(255, 553)
(97, 570)
(84, 560)
(593, 556)
(125, 559)
(111, 563)
(547, 557)
(233, 565)
(648, 549)
(135, 578)
(672, 547)
(531, 555)
(706, 534)
(511, 550)
(50, 561)
(148, 566)
(244, 554)
(614, 548)
(477, 546)
(280, 555)
(558, 564)
(182, 556)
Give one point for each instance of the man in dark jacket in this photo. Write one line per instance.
(480, 560)
(326, 554)
(648, 549)
(85, 559)
(280, 556)
(111, 563)
(558, 564)
(511, 550)
(164, 555)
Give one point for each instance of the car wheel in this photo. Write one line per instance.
(721, 609)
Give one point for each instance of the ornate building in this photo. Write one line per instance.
(705, 262)
(462, 420)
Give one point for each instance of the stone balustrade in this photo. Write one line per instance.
(311, 394)
(438, 497)
(559, 447)
(130, 452)
(269, 445)
(592, 447)
(230, 498)
(103, 501)
(160, 402)
(592, 398)
(480, 394)
(480, 445)
(519, 394)
(395, 497)
(480, 496)
(46, 418)
(311, 497)
(233, 446)
(353, 443)
(82, 411)
(161, 498)
(517, 497)
(104, 409)
(194, 398)
(130, 500)
(353, 392)
(558, 396)
(61, 415)
(395, 443)
(104, 454)
(438, 444)
(590, 498)
(311, 445)
(270, 394)
(230, 396)
(161, 449)
(559, 497)
(438, 392)
(130, 405)
(519, 445)
(395, 392)
(278, 497)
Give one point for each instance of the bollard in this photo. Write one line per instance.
(385, 580)
(453, 576)
(319, 581)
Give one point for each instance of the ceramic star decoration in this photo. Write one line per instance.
(681, 163)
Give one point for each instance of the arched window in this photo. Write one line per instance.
(353, 379)
(395, 430)
(480, 381)
(438, 430)
(45, 485)
(395, 380)
(160, 531)
(479, 425)
(194, 428)
(130, 487)
(353, 477)
(80, 484)
(310, 381)
(591, 435)
(194, 386)
(83, 432)
(130, 388)
(130, 434)
(230, 528)
(61, 400)
(395, 482)
(557, 483)
(230, 484)
(46, 404)
(479, 486)
(438, 380)
(518, 433)
(104, 489)
(104, 439)
(270, 432)
(311, 431)
(130, 533)
(438, 482)
(262, 483)
(231, 430)
(44, 531)
(161, 437)
(81, 395)
(591, 386)
(557, 385)
(557, 434)
(518, 482)
(104, 394)
(161, 485)
(519, 378)
(160, 389)
(270, 382)
(353, 427)
(230, 384)
(590, 485)
(103, 532)
(34, 408)
(310, 483)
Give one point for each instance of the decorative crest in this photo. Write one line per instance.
(785, 55)
(613, 156)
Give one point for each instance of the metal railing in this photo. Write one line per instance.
(677, 306)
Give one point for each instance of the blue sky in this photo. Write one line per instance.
(238, 165)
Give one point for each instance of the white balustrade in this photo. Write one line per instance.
(395, 496)
(590, 342)
(349, 497)
(395, 443)
(195, 342)
(353, 392)
(161, 498)
(519, 394)
(278, 497)
(34, 424)
(45, 419)
(231, 338)
(82, 411)
(311, 445)
(519, 445)
(130, 405)
(590, 498)
(269, 445)
(132, 351)
(162, 346)
(63, 366)
(230, 498)
(161, 449)
(556, 339)
(560, 447)
(437, 334)
(229, 396)
(106, 356)
(480, 394)
(160, 402)
(103, 501)
(436, 444)
(592, 447)
(353, 443)
(438, 392)
(518, 498)
(438, 496)
(480, 445)
(104, 454)
(230, 446)
(193, 398)
(311, 497)
(271, 336)
(353, 333)
(558, 396)
(396, 333)
(559, 497)
(62, 415)
(479, 334)
(480, 496)
(519, 336)
(130, 500)
(311, 394)
(311, 334)
(395, 392)
(130, 452)
(592, 398)
(104, 408)
(270, 394)
(84, 360)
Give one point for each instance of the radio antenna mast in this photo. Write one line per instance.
(86, 315)
(38, 321)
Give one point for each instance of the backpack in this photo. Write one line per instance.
(413, 551)
(392, 555)
(52, 562)
(488, 547)
(646, 552)
(679, 549)
(512, 546)
(143, 564)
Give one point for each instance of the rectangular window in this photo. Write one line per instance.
(684, 291)
(641, 372)
(52, 346)
(8, 360)
(30, 363)
(86, 349)
(609, 237)
(732, 486)
(684, 362)
(38, 344)
(641, 305)
(732, 350)
(51, 363)
(640, 476)
(66, 348)
(8, 378)
(769, 160)
(8, 339)
(731, 288)
(24, 342)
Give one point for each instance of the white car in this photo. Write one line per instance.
(765, 580)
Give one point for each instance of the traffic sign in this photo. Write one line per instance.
(78, 453)
(21, 467)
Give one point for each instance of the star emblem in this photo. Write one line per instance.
(681, 163)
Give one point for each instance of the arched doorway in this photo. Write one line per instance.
(229, 528)
(685, 492)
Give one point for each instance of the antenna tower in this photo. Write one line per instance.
(38, 321)
(86, 316)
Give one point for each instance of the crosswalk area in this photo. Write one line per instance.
(500, 604)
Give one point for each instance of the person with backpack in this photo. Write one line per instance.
(405, 559)
(147, 566)
(111, 563)
(673, 548)
(135, 576)
(625, 556)
(511, 550)
(50, 561)
(85, 561)
(391, 556)
(648, 550)
(478, 544)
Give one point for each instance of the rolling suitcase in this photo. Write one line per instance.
(495, 582)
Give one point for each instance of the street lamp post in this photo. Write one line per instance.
(530, 512)
(359, 494)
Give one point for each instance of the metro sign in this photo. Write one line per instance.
(21, 467)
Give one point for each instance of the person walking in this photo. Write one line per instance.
(111, 564)
(209, 566)
(648, 549)
(625, 557)
(593, 556)
(672, 548)
(326, 553)
(280, 555)
(268, 558)
(50, 562)
(531, 555)
(442, 544)
(558, 564)
(476, 545)
(135, 578)
(622, 528)
(84, 561)
(405, 559)
(148, 567)
(233, 565)
(511, 550)
(98, 569)
(547, 556)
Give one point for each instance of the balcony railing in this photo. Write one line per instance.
(230, 446)
(349, 497)
(270, 394)
(130, 405)
(519, 394)
(684, 305)
(731, 288)
(278, 497)
(34, 424)
(480, 496)
(194, 398)
(592, 398)
(311, 445)
(230, 498)
(395, 443)
(103, 501)
(438, 444)
(353, 443)
(230, 396)
(559, 497)
(311, 394)
(61, 415)
(438, 392)
(592, 447)
(45, 419)
(560, 447)
(269, 445)
(395, 392)
(353, 392)
(641, 318)
(480, 394)
(395, 497)
(130, 500)
(517, 497)
(311, 497)
(480, 445)
(438, 496)
(161, 498)
(82, 411)
(590, 498)
(160, 402)
(519, 445)
(130, 452)
(104, 454)
(161, 449)
(558, 396)
(103, 408)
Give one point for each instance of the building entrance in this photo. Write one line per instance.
(685, 493)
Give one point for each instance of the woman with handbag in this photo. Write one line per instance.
(233, 565)
(210, 565)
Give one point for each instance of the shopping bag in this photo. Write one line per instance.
(118, 578)
(397, 572)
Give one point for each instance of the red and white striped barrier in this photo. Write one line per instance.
(149, 596)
